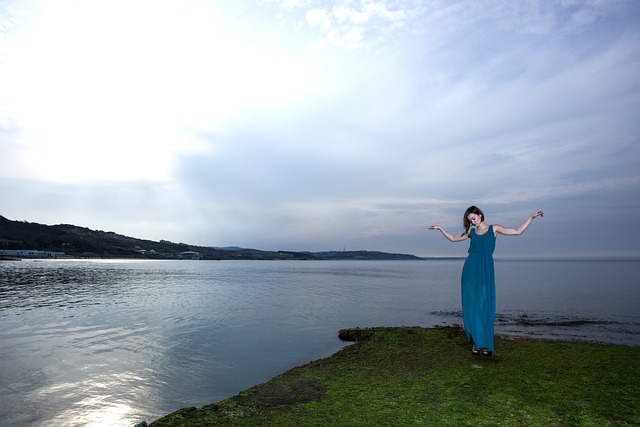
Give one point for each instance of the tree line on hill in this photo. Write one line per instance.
(77, 241)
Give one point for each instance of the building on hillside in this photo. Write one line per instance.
(26, 253)
(189, 255)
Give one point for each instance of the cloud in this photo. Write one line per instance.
(353, 24)
(311, 125)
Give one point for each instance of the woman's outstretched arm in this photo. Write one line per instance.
(498, 229)
(448, 235)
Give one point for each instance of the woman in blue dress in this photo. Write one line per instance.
(478, 278)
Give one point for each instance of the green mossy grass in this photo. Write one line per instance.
(414, 376)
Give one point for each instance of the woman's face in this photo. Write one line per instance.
(474, 219)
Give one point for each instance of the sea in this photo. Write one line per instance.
(115, 342)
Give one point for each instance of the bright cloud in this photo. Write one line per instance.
(128, 84)
(345, 22)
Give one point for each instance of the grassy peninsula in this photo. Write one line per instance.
(414, 376)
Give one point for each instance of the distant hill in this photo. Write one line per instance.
(76, 241)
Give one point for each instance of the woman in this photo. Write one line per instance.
(478, 279)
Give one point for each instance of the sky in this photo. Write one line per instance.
(325, 125)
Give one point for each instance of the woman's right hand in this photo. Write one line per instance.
(434, 227)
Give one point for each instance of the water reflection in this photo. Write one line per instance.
(92, 401)
(89, 373)
(113, 343)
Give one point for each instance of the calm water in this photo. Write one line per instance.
(117, 342)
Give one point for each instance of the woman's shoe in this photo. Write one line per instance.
(475, 351)
(487, 352)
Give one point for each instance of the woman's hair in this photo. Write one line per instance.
(465, 221)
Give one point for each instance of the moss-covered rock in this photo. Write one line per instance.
(416, 376)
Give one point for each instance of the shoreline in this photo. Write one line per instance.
(427, 376)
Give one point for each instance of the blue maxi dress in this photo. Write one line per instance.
(479, 289)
